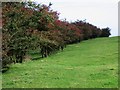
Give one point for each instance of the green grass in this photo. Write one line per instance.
(89, 64)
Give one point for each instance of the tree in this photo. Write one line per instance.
(15, 31)
(105, 32)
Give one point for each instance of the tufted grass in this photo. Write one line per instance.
(89, 64)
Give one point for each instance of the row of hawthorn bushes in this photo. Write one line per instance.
(29, 26)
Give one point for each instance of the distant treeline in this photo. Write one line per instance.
(29, 26)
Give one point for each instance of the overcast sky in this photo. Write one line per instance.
(101, 13)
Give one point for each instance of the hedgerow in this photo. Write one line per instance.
(29, 26)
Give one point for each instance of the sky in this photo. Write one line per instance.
(101, 13)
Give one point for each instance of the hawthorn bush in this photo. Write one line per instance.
(33, 26)
(105, 32)
(88, 30)
(16, 37)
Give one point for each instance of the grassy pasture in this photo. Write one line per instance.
(89, 64)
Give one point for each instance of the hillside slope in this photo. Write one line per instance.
(89, 64)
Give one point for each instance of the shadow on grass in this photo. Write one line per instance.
(37, 58)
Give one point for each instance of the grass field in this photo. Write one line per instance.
(89, 64)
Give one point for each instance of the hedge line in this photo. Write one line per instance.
(29, 26)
